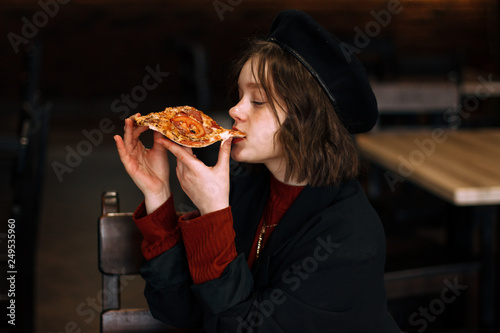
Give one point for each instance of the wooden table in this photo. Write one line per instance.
(462, 167)
(459, 166)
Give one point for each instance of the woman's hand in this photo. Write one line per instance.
(207, 187)
(148, 168)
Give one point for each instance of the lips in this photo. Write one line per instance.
(236, 140)
(234, 128)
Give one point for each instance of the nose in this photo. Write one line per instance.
(236, 112)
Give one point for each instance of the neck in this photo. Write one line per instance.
(278, 171)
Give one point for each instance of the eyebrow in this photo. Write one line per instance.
(251, 85)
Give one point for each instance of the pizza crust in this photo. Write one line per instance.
(187, 126)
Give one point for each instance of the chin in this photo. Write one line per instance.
(235, 155)
(239, 156)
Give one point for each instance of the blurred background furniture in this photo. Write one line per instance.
(419, 90)
(422, 103)
(430, 286)
(459, 167)
(23, 161)
(120, 255)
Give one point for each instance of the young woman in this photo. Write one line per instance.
(290, 246)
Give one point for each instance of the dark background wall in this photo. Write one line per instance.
(96, 51)
(99, 49)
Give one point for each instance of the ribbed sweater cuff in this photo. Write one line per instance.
(159, 229)
(209, 243)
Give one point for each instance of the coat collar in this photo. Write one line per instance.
(249, 194)
(310, 202)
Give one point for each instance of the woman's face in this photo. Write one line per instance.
(254, 116)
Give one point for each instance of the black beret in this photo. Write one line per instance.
(340, 73)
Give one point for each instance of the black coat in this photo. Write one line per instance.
(320, 271)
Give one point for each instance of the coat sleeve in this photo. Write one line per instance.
(207, 248)
(168, 289)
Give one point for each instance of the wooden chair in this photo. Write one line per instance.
(120, 254)
(434, 282)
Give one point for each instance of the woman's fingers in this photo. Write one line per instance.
(157, 136)
(186, 158)
(202, 183)
(183, 154)
(123, 153)
(189, 150)
(120, 146)
(137, 131)
(224, 155)
(132, 132)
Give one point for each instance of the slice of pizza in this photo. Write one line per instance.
(187, 126)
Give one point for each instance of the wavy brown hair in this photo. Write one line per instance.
(318, 148)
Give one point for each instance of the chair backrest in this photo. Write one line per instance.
(120, 254)
(424, 281)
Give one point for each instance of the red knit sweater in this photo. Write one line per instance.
(208, 239)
